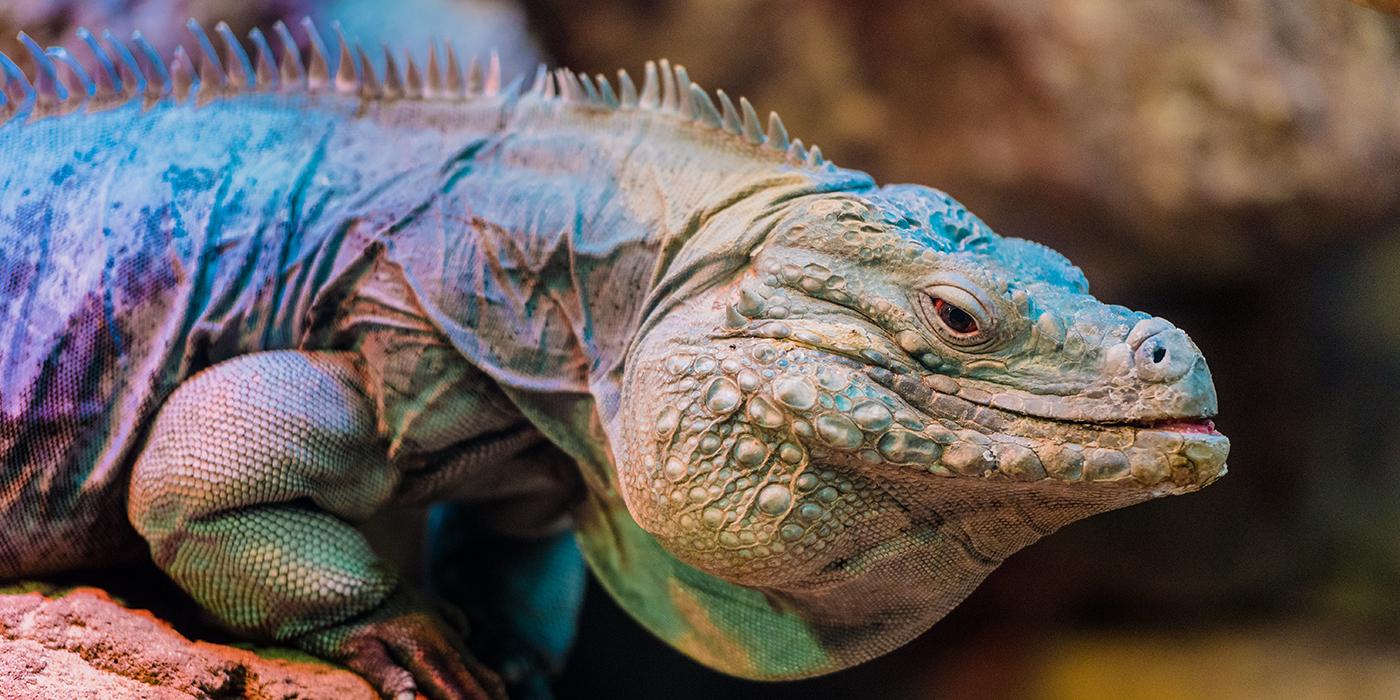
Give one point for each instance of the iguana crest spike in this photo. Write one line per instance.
(541, 74)
(753, 131)
(212, 79)
(668, 86)
(18, 93)
(475, 80)
(182, 76)
(108, 80)
(705, 107)
(627, 90)
(85, 87)
(348, 77)
(590, 91)
(732, 122)
(134, 81)
(393, 80)
(413, 79)
(685, 105)
(369, 83)
(318, 69)
(777, 133)
(240, 67)
(492, 85)
(291, 69)
(605, 91)
(265, 73)
(457, 87)
(651, 88)
(49, 91)
(432, 80)
(160, 84)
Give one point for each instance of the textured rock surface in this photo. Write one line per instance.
(83, 644)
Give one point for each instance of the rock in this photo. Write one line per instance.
(80, 643)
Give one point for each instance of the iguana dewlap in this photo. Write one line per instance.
(795, 417)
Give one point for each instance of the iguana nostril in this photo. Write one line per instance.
(1165, 356)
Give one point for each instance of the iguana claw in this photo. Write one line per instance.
(402, 651)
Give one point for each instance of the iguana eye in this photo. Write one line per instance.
(957, 320)
(958, 315)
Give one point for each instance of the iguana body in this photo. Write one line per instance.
(244, 324)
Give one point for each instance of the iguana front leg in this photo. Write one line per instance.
(245, 492)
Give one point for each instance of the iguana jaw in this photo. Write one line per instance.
(1168, 454)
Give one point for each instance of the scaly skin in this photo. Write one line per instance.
(793, 417)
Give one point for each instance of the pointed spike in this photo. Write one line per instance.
(551, 87)
(349, 78)
(492, 85)
(433, 78)
(108, 80)
(684, 104)
(704, 107)
(212, 78)
(628, 89)
(511, 91)
(318, 69)
(814, 156)
(182, 75)
(240, 68)
(456, 86)
(134, 82)
(369, 82)
(732, 123)
(475, 81)
(651, 88)
(569, 85)
(668, 86)
(796, 154)
(560, 84)
(160, 84)
(605, 92)
(590, 91)
(49, 91)
(413, 83)
(265, 75)
(393, 80)
(777, 133)
(541, 74)
(14, 84)
(86, 88)
(291, 68)
(753, 132)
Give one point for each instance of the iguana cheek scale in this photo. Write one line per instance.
(249, 304)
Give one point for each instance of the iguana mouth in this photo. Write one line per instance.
(1200, 426)
(1049, 440)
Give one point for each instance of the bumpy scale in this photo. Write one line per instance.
(793, 417)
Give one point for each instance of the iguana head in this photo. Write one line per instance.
(889, 399)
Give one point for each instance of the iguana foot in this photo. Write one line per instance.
(402, 650)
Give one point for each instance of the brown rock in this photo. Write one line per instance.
(83, 644)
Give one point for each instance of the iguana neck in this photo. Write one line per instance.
(568, 225)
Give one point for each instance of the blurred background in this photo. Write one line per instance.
(1233, 165)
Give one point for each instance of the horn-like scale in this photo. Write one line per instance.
(134, 70)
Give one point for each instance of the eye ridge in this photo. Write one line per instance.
(955, 318)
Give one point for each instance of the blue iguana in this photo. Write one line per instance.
(793, 417)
